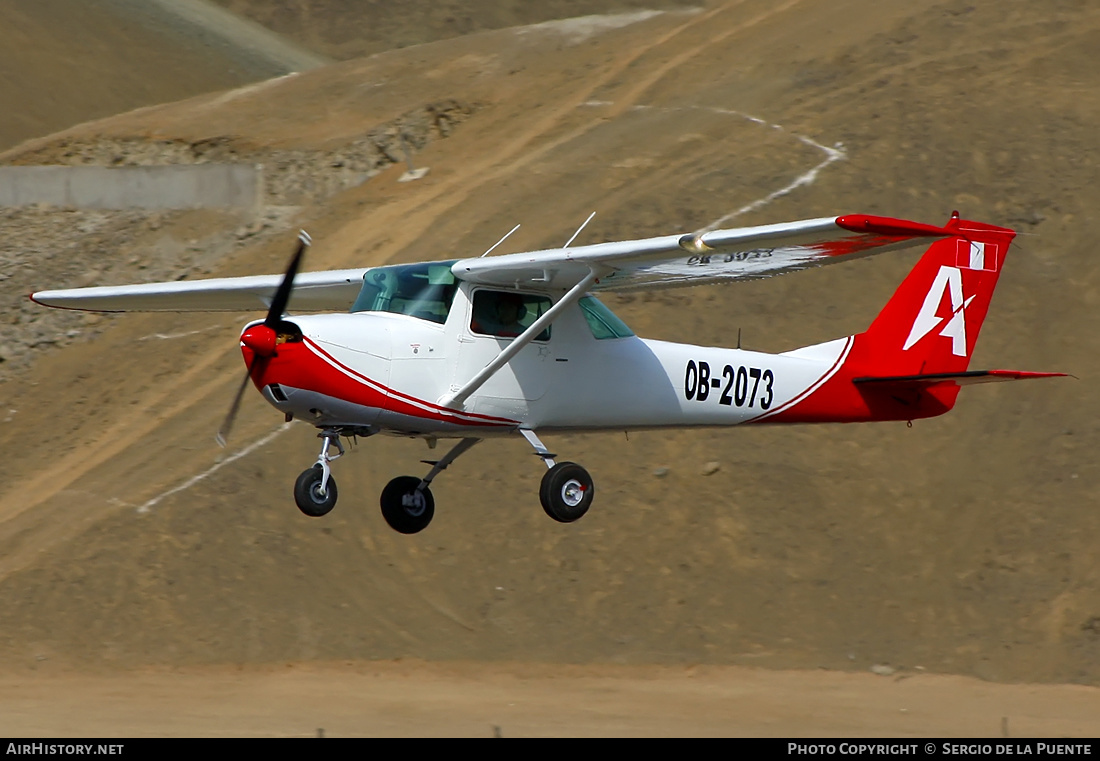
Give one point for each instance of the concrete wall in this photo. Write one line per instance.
(143, 187)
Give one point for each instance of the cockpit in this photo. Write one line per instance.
(423, 290)
(427, 290)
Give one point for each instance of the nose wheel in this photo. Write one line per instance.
(313, 498)
(315, 489)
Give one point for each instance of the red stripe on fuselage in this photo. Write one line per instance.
(811, 388)
(836, 399)
(307, 366)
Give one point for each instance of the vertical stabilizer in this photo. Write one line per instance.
(931, 323)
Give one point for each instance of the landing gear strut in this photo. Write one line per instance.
(315, 489)
(567, 490)
(407, 502)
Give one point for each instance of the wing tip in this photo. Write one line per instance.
(870, 223)
(43, 298)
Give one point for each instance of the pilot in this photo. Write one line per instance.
(502, 316)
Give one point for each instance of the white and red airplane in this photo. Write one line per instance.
(517, 344)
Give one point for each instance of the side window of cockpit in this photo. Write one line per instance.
(506, 314)
(602, 321)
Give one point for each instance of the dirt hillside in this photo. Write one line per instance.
(964, 545)
(345, 29)
(66, 62)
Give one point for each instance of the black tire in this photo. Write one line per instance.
(308, 496)
(566, 492)
(406, 510)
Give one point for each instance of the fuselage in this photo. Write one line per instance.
(389, 372)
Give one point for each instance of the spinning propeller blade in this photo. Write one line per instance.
(282, 295)
(227, 424)
(271, 323)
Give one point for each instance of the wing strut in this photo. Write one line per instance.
(457, 399)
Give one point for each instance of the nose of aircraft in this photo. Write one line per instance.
(261, 339)
(262, 344)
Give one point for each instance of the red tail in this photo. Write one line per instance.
(928, 328)
(932, 322)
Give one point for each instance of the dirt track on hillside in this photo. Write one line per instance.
(962, 546)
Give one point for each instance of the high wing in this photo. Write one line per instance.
(745, 253)
(313, 291)
(673, 260)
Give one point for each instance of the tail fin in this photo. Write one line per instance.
(931, 323)
(912, 360)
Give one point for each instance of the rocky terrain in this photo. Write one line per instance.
(82, 247)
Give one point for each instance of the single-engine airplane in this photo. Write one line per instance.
(518, 344)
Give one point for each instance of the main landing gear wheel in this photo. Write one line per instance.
(407, 509)
(308, 496)
(566, 492)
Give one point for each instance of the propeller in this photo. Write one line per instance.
(262, 339)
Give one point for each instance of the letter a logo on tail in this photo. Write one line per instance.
(947, 279)
(946, 295)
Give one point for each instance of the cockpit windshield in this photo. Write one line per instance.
(418, 290)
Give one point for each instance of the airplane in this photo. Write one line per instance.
(519, 344)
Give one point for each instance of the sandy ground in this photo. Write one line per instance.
(536, 700)
(143, 569)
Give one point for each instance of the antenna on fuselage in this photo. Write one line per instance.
(578, 232)
(501, 240)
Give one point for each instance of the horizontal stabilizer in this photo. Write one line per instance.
(959, 379)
